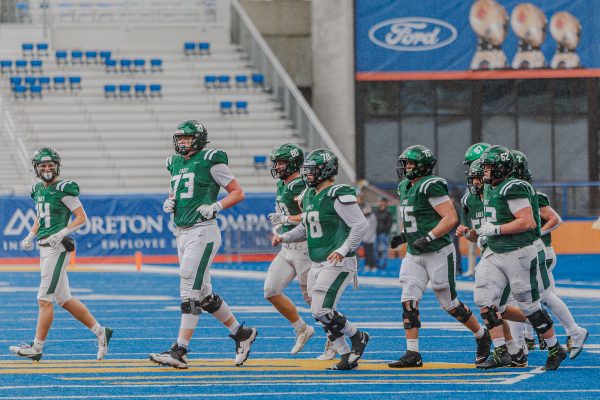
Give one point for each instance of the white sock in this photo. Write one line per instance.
(189, 321)
(499, 342)
(38, 344)
(349, 329)
(552, 341)
(518, 333)
(412, 345)
(233, 328)
(479, 334)
(299, 325)
(561, 311)
(512, 347)
(98, 330)
(181, 342)
(341, 346)
(528, 330)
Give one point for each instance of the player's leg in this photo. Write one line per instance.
(413, 279)
(513, 331)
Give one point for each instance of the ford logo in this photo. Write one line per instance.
(413, 34)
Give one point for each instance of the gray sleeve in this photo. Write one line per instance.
(71, 202)
(298, 234)
(354, 218)
(221, 174)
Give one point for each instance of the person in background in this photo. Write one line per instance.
(368, 243)
(455, 196)
(384, 226)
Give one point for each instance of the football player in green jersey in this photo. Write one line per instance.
(333, 226)
(428, 215)
(197, 174)
(55, 201)
(474, 152)
(510, 257)
(292, 261)
(550, 220)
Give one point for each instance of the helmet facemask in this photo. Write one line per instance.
(281, 172)
(44, 173)
(419, 169)
(180, 148)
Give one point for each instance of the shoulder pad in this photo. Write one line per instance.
(216, 156)
(516, 189)
(33, 188)
(463, 201)
(296, 186)
(341, 190)
(434, 187)
(543, 199)
(169, 162)
(68, 187)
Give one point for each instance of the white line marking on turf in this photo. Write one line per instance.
(523, 376)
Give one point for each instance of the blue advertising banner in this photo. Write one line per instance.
(479, 39)
(120, 225)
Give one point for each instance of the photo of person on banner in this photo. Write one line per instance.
(489, 21)
(566, 30)
(529, 24)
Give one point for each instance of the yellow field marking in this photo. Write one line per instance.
(338, 380)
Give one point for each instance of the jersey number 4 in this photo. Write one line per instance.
(188, 185)
(312, 223)
(43, 212)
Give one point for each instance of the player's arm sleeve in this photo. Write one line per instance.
(221, 174)
(518, 204)
(298, 234)
(72, 202)
(352, 215)
(436, 201)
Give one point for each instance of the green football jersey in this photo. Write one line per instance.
(285, 201)
(53, 215)
(473, 208)
(326, 231)
(544, 201)
(418, 216)
(192, 184)
(497, 212)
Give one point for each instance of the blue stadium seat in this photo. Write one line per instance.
(19, 91)
(210, 81)
(226, 107)
(110, 91)
(140, 90)
(139, 65)
(15, 81)
(241, 107)
(76, 57)
(125, 64)
(105, 55)
(258, 80)
(204, 48)
(27, 49)
(156, 65)
(155, 90)
(30, 81)
(36, 66)
(75, 82)
(60, 83)
(61, 57)
(110, 65)
(35, 91)
(124, 90)
(224, 81)
(91, 57)
(41, 49)
(20, 66)
(189, 48)
(241, 81)
(6, 66)
(44, 82)
(260, 162)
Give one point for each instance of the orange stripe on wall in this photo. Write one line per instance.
(475, 75)
(576, 237)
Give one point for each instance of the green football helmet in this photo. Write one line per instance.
(190, 128)
(421, 156)
(500, 160)
(322, 164)
(475, 151)
(475, 171)
(521, 166)
(291, 154)
(44, 155)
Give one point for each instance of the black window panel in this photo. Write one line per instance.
(417, 98)
(498, 96)
(570, 96)
(453, 97)
(381, 148)
(381, 99)
(534, 96)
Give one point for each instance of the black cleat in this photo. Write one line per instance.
(530, 344)
(175, 357)
(412, 359)
(483, 347)
(500, 358)
(569, 344)
(344, 364)
(519, 360)
(556, 355)
(541, 341)
(359, 343)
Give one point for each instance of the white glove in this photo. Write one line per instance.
(481, 242)
(27, 243)
(169, 205)
(488, 229)
(278, 218)
(209, 212)
(55, 239)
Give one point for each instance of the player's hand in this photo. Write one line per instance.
(488, 229)
(276, 240)
(462, 230)
(169, 205)
(278, 218)
(422, 243)
(481, 242)
(27, 243)
(209, 212)
(397, 240)
(335, 258)
(55, 240)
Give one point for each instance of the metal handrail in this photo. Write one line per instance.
(305, 121)
(20, 150)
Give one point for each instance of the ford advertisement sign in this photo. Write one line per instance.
(478, 39)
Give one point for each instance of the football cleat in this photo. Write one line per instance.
(302, 337)
(519, 360)
(344, 364)
(244, 337)
(569, 344)
(25, 350)
(175, 357)
(499, 358)
(556, 355)
(412, 359)
(359, 343)
(329, 353)
(483, 347)
(577, 341)
(530, 343)
(102, 343)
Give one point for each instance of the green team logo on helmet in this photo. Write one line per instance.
(475, 151)
(42, 156)
(475, 171)
(422, 157)
(289, 153)
(321, 164)
(500, 160)
(521, 166)
(190, 128)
